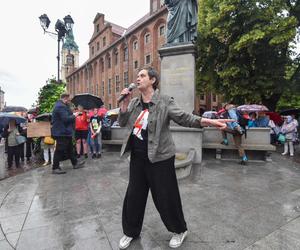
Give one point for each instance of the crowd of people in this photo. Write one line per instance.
(17, 145)
(67, 124)
(283, 129)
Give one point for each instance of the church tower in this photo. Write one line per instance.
(69, 56)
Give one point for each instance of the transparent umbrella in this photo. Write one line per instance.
(252, 108)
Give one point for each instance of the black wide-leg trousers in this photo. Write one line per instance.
(160, 178)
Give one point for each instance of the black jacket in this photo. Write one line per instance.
(63, 120)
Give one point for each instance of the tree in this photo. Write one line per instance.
(246, 48)
(48, 95)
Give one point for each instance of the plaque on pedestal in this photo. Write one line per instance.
(178, 74)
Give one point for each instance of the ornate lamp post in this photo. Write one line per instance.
(61, 28)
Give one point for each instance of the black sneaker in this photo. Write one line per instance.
(93, 156)
(58, 171)
(244, 163)
(225, 142)
(78, 156)
(98, 156)
(239, 130)
(79, 164)
(85, 156)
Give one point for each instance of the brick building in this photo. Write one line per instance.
(116, 54)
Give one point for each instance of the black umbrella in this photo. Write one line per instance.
(44, 117)
(14, 109)
(32, 111)
(87, 101)
(290, 112)
(6, 117)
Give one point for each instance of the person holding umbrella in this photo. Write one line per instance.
(11, 131)
(81, 132)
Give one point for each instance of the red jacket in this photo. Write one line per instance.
(81, 122)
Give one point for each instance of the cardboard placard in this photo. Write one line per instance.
(38, 129)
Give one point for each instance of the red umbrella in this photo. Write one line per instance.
(277, 119)
(101, 112)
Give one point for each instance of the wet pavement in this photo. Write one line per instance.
(226, 206)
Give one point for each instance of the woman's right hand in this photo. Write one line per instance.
(124, 104)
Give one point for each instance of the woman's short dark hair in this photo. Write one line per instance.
(152, 73)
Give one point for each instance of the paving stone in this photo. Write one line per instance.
(226, 207)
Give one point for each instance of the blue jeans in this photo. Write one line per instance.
(232, 115)
(96, 145)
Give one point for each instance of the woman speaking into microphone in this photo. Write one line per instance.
(152, 156)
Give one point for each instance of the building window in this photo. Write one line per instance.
(202, 97)
(162, 30)
(125, 78)
(117, 84)
(93, 50)
(116, 58)
(109, 86)
(125, 58)
(135, 45)
(104, 41)
(147, 38)
(98, 46)
(109, 106)
(103, 89)
(147, 59)
(98, 28)
(214, 97)
(102, 66)
(136, 64)
(109, 62)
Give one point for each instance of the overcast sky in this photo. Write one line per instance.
(28, 57)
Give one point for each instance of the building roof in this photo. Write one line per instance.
(138, 22)
(97, 17)
(126, 32)
(117, 29)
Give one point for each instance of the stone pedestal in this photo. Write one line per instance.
(178, 74)
(186, 139)
(178, 81)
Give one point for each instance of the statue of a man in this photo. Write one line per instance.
(181, 21)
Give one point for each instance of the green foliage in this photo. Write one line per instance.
(48, 95)
(288, 100)
(245, 49)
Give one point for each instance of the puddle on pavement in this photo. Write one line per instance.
(6, 172)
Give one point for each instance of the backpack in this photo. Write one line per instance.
(242, 121)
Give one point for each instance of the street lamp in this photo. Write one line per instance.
(61, 28)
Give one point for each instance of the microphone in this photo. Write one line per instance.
(131, 87)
